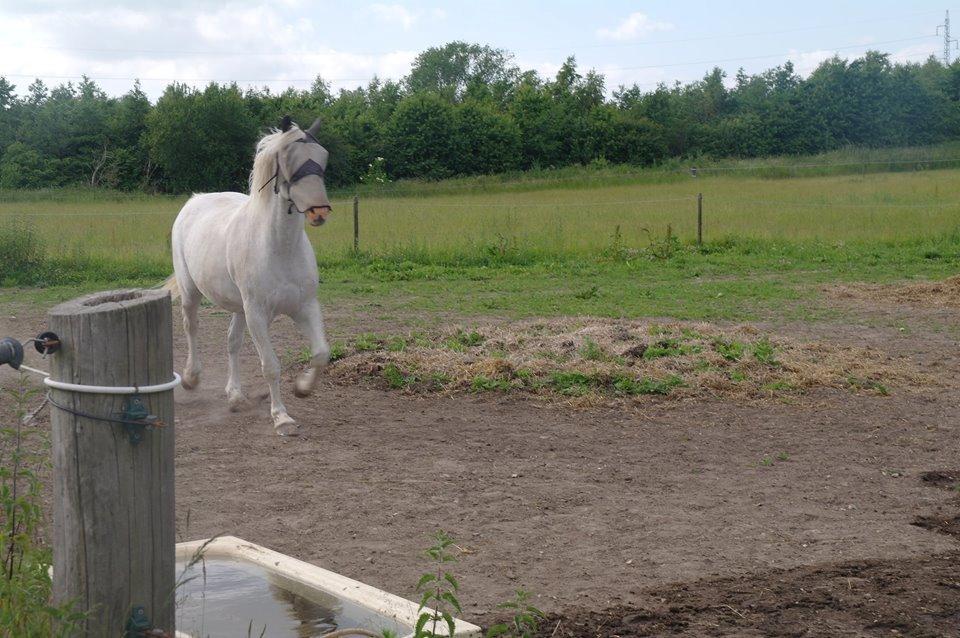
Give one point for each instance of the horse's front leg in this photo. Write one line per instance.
(238, 325)
(258, 323)
(310, 322)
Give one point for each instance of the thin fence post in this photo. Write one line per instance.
(113, 483)
(699, 219)
(356, 223)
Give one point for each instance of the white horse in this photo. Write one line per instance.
(249, 254)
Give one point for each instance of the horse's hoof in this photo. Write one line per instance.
(302, 388)
(189, 381)
(238, 403)
(287, 428)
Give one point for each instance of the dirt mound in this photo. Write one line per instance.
(941, 294)
(908, 597)
(944, 479)
(590, 361)
(942, 523)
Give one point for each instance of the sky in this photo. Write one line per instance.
(283, 43)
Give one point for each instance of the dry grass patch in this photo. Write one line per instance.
(942, 294)
(592, 361)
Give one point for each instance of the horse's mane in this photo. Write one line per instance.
(265, 161)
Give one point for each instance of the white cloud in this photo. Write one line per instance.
(806, 62)
(632, 27)
(919, 53)
(250, 42)
(394, 14)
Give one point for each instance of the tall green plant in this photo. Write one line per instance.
(25, 585)
(525, 622)
(438, 588)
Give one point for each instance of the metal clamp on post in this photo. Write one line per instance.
(134, 415)
(138, 625)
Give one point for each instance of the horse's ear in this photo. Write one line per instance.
(315, 127)
(285, 123)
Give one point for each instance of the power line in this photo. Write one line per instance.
(172, 52)
(367, 79)
(767, 56)
(738, 35)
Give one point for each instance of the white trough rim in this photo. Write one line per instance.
(376, 600)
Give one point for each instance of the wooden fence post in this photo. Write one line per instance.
(113, 519)
(356, 223)
(699, 219)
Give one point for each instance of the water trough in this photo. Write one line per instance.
(241, 588)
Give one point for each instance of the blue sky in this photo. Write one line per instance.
(288, 42)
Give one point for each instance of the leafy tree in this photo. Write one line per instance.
(421, 138)
(490, 141)
(458, 69)
(202, 140)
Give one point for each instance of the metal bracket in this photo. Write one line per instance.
(138, 623)
(11, 350)
(136, 418)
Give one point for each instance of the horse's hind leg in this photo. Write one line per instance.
(238, 325)
(190, 304)
(258, 325)
(310, 322)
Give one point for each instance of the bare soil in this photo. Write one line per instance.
(944, 294)
(797, 516)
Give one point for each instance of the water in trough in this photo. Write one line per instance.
(229, 599)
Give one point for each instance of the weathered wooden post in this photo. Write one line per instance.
(113, 528)
(699, 219)
(356, 223)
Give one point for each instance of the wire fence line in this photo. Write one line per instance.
(426, 206)
(705, 169)
(570, 217)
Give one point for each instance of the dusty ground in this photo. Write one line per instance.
(663, 518)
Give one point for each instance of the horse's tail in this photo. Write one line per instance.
(172, 286)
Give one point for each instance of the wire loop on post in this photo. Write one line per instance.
(106, 389)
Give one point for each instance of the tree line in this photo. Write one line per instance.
(467, 109)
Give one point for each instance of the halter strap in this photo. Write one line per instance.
(310, 167)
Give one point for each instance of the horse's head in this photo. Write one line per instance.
(301, 164)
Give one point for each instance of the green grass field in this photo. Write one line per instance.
(588, 240)
(558, 214)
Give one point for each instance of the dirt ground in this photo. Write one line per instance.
(802, 517)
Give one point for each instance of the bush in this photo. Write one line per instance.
(22, 254)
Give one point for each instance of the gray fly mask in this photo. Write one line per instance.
(299, 175)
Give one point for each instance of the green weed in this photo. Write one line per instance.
(670, 348)
(764, 352)
(629, 386)
(395, 377)
(25, 560)
(729, 350)
(868, 384)
(525, 622)
(338, 351)
(438, 588)
(481, 383)
(367, 342)
(591, 351)
(571, 383)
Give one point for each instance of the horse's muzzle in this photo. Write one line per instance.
(318, 214)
